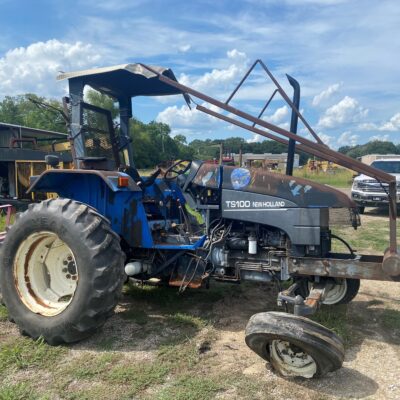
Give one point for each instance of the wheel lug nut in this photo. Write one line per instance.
(65, 262)
(65, 270)
(74, 277)
(68, 276)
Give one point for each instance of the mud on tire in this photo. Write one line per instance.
(99, 270)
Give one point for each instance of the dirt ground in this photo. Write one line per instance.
(219, 354)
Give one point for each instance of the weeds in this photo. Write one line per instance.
(139, 376)
(3, 313)
(391, 319)
(337, 319)
(190, 387)
(372, 236)
(339, 178)
(19, 391)
(91, 366)
(24, 353)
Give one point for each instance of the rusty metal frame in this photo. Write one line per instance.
(317, 149)
(337, 266)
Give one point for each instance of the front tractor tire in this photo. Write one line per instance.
(294, 346)
(62, 271)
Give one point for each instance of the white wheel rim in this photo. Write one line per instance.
(334, 291)
(45, 273)
(290, 360)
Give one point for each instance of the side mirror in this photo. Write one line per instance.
(52, 161)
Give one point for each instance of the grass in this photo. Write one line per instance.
(340, 178)
(139, 376)
(24, 353)
(166, 298)
(190, 387)
(91, 366)
(140, 317)
(183, 361)
(372, 236)
(391, 319)
(3, 313)
(186, 321)
(19, 391)
(338, 320)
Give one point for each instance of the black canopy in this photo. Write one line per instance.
(126, 80)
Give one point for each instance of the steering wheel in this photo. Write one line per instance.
(175, 170)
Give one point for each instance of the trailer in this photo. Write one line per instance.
(22, 155)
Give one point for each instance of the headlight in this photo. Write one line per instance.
(355, 184)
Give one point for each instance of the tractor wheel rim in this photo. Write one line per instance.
(336, 292)
(45, 273)
(290, 360)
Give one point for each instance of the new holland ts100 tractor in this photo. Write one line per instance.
(64, 261)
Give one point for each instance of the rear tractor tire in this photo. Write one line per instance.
(62, 271)
(295, 346)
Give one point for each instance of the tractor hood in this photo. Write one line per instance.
(297, 192)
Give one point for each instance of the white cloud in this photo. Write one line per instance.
(210, 82)
(346, 111)
(184, 48)
(381, 138)
(368, 126)
(185, 118)
(393, 125)
(347, 139)
(35, 67)
(278, 116)
(325, 94)
(219, 78)
(256, 139)
(326, 139)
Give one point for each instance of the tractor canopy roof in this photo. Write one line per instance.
(125, 80)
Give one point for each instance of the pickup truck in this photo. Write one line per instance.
(368, 192)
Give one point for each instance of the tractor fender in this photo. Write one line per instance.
(55, 179)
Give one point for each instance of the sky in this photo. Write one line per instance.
(344, 54)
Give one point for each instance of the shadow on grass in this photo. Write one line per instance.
(148, 317)
(352, 383)
(151, 316)
(378, 211)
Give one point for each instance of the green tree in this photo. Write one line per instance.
(20, 110)
(374, 147)
(180, 139)
(103, 101)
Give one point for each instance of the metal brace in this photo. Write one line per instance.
(303, 307)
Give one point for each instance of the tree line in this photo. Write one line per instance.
(152, 142)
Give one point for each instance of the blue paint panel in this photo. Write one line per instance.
(123, 207)
(193, 246)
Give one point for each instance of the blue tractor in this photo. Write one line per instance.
(64, 261)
